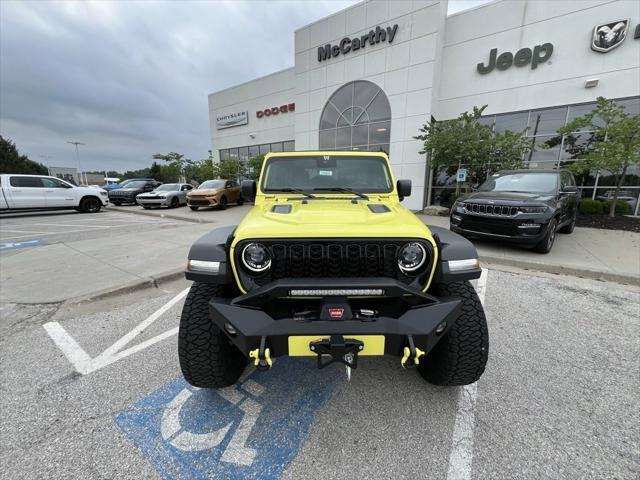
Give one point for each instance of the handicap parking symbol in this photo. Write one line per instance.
(250, 430)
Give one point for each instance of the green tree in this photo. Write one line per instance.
(614, 144)
(156, 172)
(176, 165)
(466, 141)
(12, 162)
(254, 167)
(229, 169)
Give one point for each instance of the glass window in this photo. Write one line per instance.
(54, 183)
(489, 120)
(576, 111)
(243, 154)
(276, 147)
(545, 150)
(575, 145)
(26, 182)
(264, 149)
(547, 121)
(631, 105)
(516, 122)
(310, 173)
(357, 115)
(254, 151)
(233, 154)
(521, 182)
(224, 154)
(289, 146)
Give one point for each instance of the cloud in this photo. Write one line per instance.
(130, 79)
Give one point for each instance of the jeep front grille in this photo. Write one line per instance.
(496, 210)
(350, 258)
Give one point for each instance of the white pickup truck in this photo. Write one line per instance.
(41, 192)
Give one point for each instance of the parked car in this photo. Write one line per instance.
(116, 186)
(26, 192)
(166, 195)
(215, 193)
(129, 192)
(625, 195)
(520, 206)
(330, 265)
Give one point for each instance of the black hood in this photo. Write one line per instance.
(515, 198)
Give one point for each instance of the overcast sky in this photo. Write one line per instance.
(130, 79)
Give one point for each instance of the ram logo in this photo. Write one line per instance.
(609, 35)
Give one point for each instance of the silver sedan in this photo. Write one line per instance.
(167, 195)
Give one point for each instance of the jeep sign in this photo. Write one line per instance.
(347, 44)
(524, 56)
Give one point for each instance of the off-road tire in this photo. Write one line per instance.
(90, 205)
(570, 227)
(223, 203)
(207, 357)
(195, 209)
(175, 202)
(546, 244)
(459, 358)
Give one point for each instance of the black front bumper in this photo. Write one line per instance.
(524, 230)
(403, 312)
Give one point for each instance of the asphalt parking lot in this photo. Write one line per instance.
(44, 228)
(93, 390)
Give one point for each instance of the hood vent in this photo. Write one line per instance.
(378, 208)
(281, 208)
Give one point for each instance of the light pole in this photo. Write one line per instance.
(78, 160)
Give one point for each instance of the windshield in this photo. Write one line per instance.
(168, 187)
(211, 184)
(319, 173)
(135, 184)
(521, 182)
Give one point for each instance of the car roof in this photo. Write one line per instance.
(530, 170)
(310, 153)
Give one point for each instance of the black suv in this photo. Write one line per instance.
(520, 206)
(127, 194)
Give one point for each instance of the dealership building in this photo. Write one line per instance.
(368, 77)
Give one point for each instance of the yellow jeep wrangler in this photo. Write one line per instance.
(329, 264)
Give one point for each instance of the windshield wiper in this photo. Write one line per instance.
(297, 190)
(343, 190)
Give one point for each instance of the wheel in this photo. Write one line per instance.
(175, 202)
(223, 203)
(207, 357)
(459, 358)
(569, 228)
(193, 208)
(240, 201)
(90, 205)
(545, 245)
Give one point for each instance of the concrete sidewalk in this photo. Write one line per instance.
(611, 255)
(90, 268)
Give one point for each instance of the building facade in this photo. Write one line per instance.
(368, 77)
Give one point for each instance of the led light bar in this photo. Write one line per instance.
(462, 265)
(339, 292)
(203, 266)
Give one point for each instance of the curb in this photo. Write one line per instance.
(133, 286)
(162, 215)
(562, 270)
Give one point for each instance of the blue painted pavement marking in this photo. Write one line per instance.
(251, 430)
(23, 244)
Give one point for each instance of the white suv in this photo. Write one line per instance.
(25, 192)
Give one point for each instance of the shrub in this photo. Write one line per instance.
(622, 207)
(591, 207)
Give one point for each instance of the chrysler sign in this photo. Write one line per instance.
(232, 120)
(347, 44)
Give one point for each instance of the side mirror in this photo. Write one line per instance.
(404, 189)
(248, 189)
(569, 189)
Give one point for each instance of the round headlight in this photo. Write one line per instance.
(256, 257)
(411, 257)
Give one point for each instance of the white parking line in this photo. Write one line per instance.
(461, 456)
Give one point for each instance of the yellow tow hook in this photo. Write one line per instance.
(412, 354)
(262, 356)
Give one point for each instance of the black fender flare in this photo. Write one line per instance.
(213, 246)
(452, 246)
